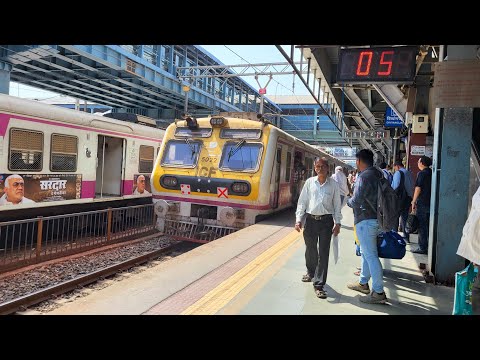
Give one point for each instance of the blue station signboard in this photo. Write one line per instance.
(392, 119)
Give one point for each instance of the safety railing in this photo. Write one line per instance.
(30, 241)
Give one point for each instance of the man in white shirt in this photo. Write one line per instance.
(320, 205)
(341, 180)
(469, 247)
(14, 189)
(140, 190)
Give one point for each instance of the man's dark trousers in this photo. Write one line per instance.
(403, 219)
(318, 232)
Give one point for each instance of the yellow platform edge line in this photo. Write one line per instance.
(218, 297)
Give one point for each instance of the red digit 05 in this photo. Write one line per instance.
(369, 54)
(388, 63)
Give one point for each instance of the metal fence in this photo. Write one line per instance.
(31, 241)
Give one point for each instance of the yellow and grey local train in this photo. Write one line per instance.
(218, 174)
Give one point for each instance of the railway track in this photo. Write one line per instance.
(21, 303)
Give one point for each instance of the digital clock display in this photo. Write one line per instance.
(377, 65)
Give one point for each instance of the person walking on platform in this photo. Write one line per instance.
(364, 204)
(319, 205)
(401, 172)
(341, 180)
(421, 202)
(469, 247)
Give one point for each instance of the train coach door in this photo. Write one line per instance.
(109, 166)
(278, 167)
(298, 174)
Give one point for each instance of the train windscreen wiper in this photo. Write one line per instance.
(192, 147)
(235, 149)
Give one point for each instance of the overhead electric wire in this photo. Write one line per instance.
(306, 132)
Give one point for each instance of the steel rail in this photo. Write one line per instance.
(10, 307)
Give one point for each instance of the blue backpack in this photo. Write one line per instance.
(391, 245)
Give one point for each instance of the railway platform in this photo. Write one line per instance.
(258, 270)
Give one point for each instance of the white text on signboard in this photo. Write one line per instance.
(417, 150)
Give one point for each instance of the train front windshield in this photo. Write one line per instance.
(182, 153)
(241, 156)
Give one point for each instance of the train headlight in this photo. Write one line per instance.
(169, 181)
(217, 121)
(240, 187)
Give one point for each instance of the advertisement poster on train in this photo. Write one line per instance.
(28, 188)
(141, 185)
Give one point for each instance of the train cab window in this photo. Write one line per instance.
(288, 169)
(145, 163)
(63, 153)
(241, 156)
(181, 153)
(26, 150)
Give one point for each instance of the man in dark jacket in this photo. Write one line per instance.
(421, 203)
(364, 204)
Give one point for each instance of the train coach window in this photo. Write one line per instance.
(26, 150)
(181, 153)
(145, 164)
(288, 169)
(309, 166)
(241, 156)
(63, 153)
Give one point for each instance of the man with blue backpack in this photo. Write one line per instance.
(365, 201)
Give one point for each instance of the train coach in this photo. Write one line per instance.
(58, 161)
(218, 174)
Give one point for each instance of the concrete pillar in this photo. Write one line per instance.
(315, 111)
(5, 69)
(414, 140)
(450, 181)
(420, 106)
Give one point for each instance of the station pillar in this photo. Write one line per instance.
(450, 181)
(420, 104)
(5, 69)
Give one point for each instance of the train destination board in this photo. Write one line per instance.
(367, 134)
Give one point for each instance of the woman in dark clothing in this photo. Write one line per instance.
(421, 202)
